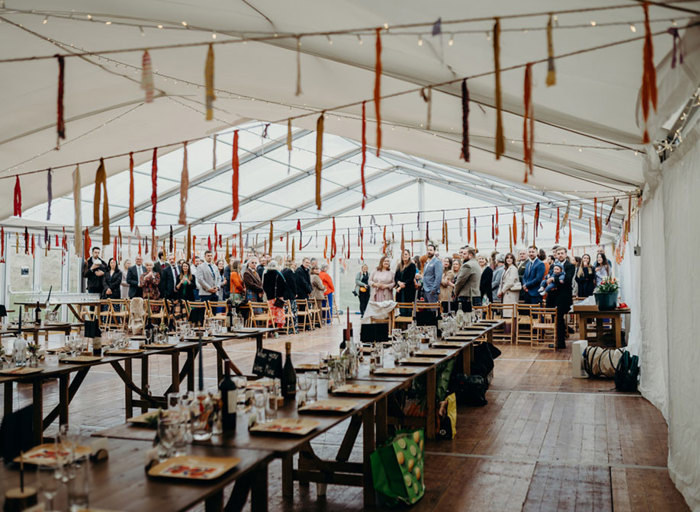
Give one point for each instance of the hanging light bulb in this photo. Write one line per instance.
(359, 39)
(420, 40)
(386, 26)
(488, 35)
(633, 28)
(593, 23)
(330, 41)
(89, 16)
(108, 22)
(46, 20)
(160, 26)
(451, 42)
(184, 23)
(143, 34)
(213, 35)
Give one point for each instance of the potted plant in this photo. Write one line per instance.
(606, 294)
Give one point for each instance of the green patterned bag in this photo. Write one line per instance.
(397, 468)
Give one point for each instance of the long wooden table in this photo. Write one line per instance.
(121, 482)
(310, 468)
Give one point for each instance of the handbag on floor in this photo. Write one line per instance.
(397, 469)
(447, 418)
(601, 362)
(627, 373)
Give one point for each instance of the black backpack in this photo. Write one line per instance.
(469, 389)
(627, 373)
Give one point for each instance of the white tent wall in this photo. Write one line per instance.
(681, 209)
(663, 286)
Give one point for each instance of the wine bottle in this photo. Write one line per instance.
(347, 332)
(229, 400)
(289, 375)
(37, 314)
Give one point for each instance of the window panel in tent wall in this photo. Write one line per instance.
(20, 285)
(51, 269)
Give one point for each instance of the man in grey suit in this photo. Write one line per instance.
(207, 278)
(133, 277)
(432, 275)
(468, 279)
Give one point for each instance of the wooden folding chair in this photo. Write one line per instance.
(523, 314)
(304, 314)
(103, 314)
(544, 327)
(195, 305)
(288, 317)
(213, 305)
(325, 311)
(157, 310)
(118, 312)
(403, 319)
(505, 312)
(260, 314)
(315, 308)
(485, 311)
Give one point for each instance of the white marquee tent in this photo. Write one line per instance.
(587, 135)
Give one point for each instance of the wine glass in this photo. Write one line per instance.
(48, 478)
(304, 384)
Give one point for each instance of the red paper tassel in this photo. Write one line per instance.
(325, 248)
(570, 236)
(649, 92)
(131, 191)
(384, 241)
(216, 234)
(18, 198)
(364, 153)
(475, 242)
(209, 242)
(2, 245)
(60, 122)
(139, 248)
(515, 230)
(377, 88)
(537, 221)
(87, 243)
(26, 241)
(234, 185)
(497, 226)
(349, 244)
(154, 187)
(333, 244)
(556, 234)
(528, 122)
(465, 121)
(33, 245)
(493, 228)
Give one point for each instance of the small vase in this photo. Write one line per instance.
(606, 301)
(33, 361)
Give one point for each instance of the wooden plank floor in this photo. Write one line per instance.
(544, 442)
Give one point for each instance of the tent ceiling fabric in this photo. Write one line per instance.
(586, 134)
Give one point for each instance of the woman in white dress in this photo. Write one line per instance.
(509, 289)
(382, 281)
(125, 285)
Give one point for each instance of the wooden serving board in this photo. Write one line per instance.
(290, 426)
(330, 405)
(358, 389)
(80, 359)
(191, 467)
(420, 361)
(449, 344)
(395, 371)
(124, 351)
(430, 352)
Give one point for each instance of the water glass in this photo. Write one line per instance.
(48, 478)
(303, 383)
(272, 395)
(79, 487)
(259, 401)
(241, 383)
(167, 433)
(173, 401)
(312, 394)
(202, 418)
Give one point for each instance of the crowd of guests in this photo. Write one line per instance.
(468, 278)
(268, 279)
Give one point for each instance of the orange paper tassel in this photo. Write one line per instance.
(551, 72)
(209, 96)
(184, 187)
(500, 137)
(319, 158)
(101, 180)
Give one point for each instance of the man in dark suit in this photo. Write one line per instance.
(561, 298)
(133, 277)
(169, 275)
(94, 270)
(303, 279)
(532, 277)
